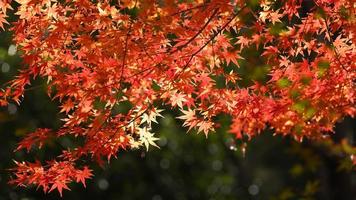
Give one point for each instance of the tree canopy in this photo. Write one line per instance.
(115, 65)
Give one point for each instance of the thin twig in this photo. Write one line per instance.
(189, 9)
(332, 44)
(211, 39)
(197, 34)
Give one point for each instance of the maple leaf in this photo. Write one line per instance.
(242, 41)
(3, 20)
(284, 61)
(67, 106)
(205, 126)
(270, 50)
(147, 138)
(263, 15)
(178, 99)
(59, 185)
(52, 12)
(231, 56)
(231, 77)
(4, 5)
(188, 115)
(38, 137)
(275, 17)
(204, 79)
(189, 118)
(151, 117)
(81, 175)
(134, 144)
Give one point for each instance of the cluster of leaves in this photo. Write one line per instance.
(4, 6)
(113, 64)
(54, 176)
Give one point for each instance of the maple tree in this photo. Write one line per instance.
(113, 66)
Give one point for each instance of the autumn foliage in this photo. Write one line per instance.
(113, 66)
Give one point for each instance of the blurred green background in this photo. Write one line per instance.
(187, 165)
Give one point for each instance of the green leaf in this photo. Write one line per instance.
(284, 82)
